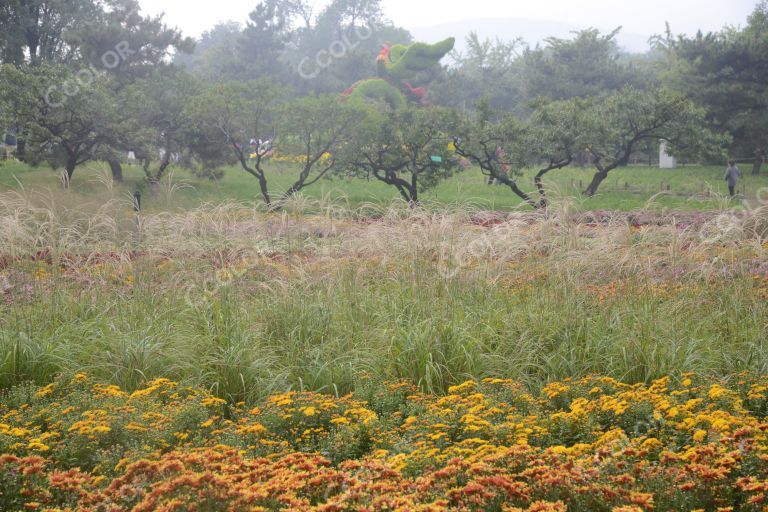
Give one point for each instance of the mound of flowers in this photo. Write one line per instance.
(585, 445)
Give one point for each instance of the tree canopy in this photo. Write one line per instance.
(726, 72)
(95, 79)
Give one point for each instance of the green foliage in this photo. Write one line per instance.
(350, 13)
(262, 40)
(320, 130)
(126, 44)
(404, 61)
(559, 130)
(312, 130)
(568, 95)
(37, 31)
(499, 148)
(82, 31)
(489, 70)
(339, 46)
(481, 141)
(17, 96)
(215, 54)
(64, 119)
(237, 111)
(587, 65)
(227, 117)
(629, 117)
(397, 64)
(725, 73)
(409, 149)
(161, 109)
(379, 90)
(91, 51)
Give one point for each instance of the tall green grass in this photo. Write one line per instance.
(245, 341)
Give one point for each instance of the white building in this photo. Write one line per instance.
(665, 160)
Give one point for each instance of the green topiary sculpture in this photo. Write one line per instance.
(396, 66)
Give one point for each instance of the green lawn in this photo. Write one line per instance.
(692, 187)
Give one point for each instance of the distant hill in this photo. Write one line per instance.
(532, 31)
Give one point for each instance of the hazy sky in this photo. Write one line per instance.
(641, 16)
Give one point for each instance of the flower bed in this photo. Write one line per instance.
(587, 445)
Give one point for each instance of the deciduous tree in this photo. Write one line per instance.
(62, 121)
(497, 147)
(230, 115)
(409, 149)
(317, 129)
(630, 117)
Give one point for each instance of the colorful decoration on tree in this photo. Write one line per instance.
(397, 66)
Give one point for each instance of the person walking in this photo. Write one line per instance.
(732, 175)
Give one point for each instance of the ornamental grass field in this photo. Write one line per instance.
(321, 357)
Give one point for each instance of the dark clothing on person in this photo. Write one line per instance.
(732, 175)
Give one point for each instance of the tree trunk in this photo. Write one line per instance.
(758, 163)
(116, 168)
(161, 171)
(414, 201)
(408, 191)
(522, 195)
(296, 187)
(512, 184)
(293, 189)
(33, 43)
(264, 190)
(582, 158)
(70, 168)
(20, 148)
(258, 173)
(595, 184)
(145, 162)
(539, 182)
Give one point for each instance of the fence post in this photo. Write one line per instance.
(137, 210)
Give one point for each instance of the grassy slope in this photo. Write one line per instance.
(625, 189)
